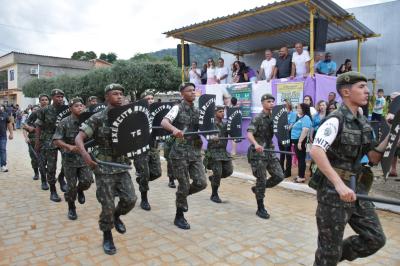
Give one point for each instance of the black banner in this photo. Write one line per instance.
(130, 128)
(234, 121)
(207, 112)
(281, 125)
(91, 111)
(97, 107)
(62, 112)
(391, 146)
(157, 113)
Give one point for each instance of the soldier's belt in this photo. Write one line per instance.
(344, 174)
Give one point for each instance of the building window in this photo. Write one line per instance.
(12, 75)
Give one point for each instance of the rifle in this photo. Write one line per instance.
(42, 167)
(112, 164)
(353, 183)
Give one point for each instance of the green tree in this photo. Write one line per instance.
(103, 56)
(135, 76)
(111, 57)
(82, 55)
(78, 55)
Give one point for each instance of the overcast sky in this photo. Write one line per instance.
(126, 27)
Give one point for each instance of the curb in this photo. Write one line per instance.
(306, 189)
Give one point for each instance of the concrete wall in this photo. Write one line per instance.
(380, 59)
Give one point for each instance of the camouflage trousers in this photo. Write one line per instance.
(167, 149)
(107, 186)
(183, 171)
(148, 168)
(331, 222)
(49, 159)
(259, 168)
(220, 169)
(32, 155)
(78, 179)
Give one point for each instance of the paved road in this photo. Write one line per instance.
(34, 230)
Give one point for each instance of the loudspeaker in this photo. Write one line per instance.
(320, 34)
(186, 58)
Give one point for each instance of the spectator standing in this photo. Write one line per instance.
(332, 107)
(203, 74)
(18, 116)
(346, 67)
(299, 135)
(300, 62)
(283, 66)
(267, 66)
(291, 120)
(377, 112)
(238, 73)
(211, 71)
(317, 118)
(328, 66)
(5, 124)
(221, 72)
(194, 74)
(317, 59)
(332, 98)
(309, 101)
(390, 116)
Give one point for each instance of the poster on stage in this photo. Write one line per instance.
(259, 89)
(242, 92)
(292, 91)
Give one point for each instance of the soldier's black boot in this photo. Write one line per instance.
(119, 225)
(214, 196)
(144, 204)
(261, 211)
(108, 243)
(72, 211)
(180, 220)
(61, 180)
(53, 193)
(171, 183)
(44, 185)
(36, 176)
(81, 197)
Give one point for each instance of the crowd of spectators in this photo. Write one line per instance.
(285, 65)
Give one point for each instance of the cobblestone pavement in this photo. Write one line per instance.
(35, 231)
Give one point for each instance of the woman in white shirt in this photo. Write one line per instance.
(211, 77)
(194, 74)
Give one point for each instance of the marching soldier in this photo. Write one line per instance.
(109, 180)
(186, 151)
(92, 100)
(78, 174)
(45, 127)
(340, 143)
(260, 133)
(29, 134)
(217, 158)
(147, 165)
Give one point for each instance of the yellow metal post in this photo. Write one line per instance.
(359, 41)
(312, 10)
(183, 60)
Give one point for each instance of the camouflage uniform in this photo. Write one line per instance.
(167, 149)
(217, 158)
(30, 121)
(148, 167)
(46, 120)
(262, 128)
(354, 139)
(75, 168)
(109, 180)
(186, 155)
